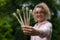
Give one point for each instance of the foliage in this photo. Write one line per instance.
(5, 29)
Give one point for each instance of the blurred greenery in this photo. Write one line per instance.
(9, 26)
(5, 29)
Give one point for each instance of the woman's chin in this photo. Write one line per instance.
(39, 20)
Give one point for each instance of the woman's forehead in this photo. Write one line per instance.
(38, 9)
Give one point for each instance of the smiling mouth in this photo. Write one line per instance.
(39, 17)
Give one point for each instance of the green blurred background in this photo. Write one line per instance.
(9, 26)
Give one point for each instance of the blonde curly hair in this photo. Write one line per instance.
(45, 8)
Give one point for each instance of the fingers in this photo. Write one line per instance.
(26, 26)
(27, 30)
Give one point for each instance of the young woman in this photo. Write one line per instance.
(43, 29)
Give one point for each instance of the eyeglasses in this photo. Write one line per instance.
(36, 12)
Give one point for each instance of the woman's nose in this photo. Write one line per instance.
(38, 14)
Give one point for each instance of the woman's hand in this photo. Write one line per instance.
(28, 30)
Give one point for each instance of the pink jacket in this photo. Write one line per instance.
(46, 27)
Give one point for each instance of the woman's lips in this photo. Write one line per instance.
(39, 16)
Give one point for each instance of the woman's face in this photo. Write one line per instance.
(39, 15)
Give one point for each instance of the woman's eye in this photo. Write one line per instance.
(36, 12)
(39, 12)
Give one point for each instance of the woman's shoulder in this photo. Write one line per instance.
(45, 23)
(48, 24)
